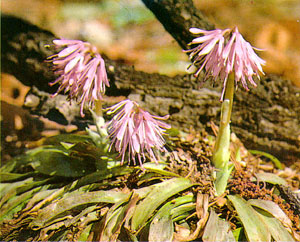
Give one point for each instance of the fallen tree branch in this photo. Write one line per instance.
(177, 17)
(267, 118)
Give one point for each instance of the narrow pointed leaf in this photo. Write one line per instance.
(6, 176)
(161, 229)
(114, 219)
(155, 198)
(255, 228)
(168, 208)
(16, 201)
(271, 178)
(73, 220)
(42, 194)
(276, 162)
(277, 230)
(104, 174)
(55, 162)
(217, 229)
(9, 166)
(273, 209)
(182, 210)
(113, 224)
(85, 233)
(159, 169)
(239, 234)
(10, 189)
(65, 204)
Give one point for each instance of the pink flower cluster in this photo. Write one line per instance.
(81, 72)
(136, 131)
(221, 52)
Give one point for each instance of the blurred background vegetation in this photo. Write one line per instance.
(126, 29)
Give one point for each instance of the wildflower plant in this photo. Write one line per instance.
(83, 76)
(135, 131)
(81, 72)
(225, 55)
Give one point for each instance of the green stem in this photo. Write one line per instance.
(98, 107)
(221, 151)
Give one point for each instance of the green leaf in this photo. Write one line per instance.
(222, 178)
(255, 228)
(217, 229)
(5, 176)
(278, 231)
(159, 169)
(39, 196)
(85, 233)
(67, 138)
(271, 178)
(66, 145)
(114, 219)
(276, 162)
(144, 191)
(54, 194)
(47, 214)
(168, 208)
(161, 229)
(55, 162)
(155, 198)
(183, 209)
(99, 176)
(10, 189)
(273, 209)
(112, 224)
(17, 201)
(239, 234)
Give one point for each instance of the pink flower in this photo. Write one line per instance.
(136, 131)
(238, 55)
(81, 72)
(221, 52)
(208, 53)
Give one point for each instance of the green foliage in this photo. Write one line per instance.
(155, 198)
(71, 189)
(276, 162)
(222, 177)
(255, 229)
(270, 178)
(262, 220)
(217, 229)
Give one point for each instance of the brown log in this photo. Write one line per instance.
(267, 118)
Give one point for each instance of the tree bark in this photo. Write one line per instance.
(177, 17)
(267, 118)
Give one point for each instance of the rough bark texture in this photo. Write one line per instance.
(267, 118)
(23, 52)
(178, 16)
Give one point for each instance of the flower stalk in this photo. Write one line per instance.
(221, 151)
(225, 55)
(98, 108)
